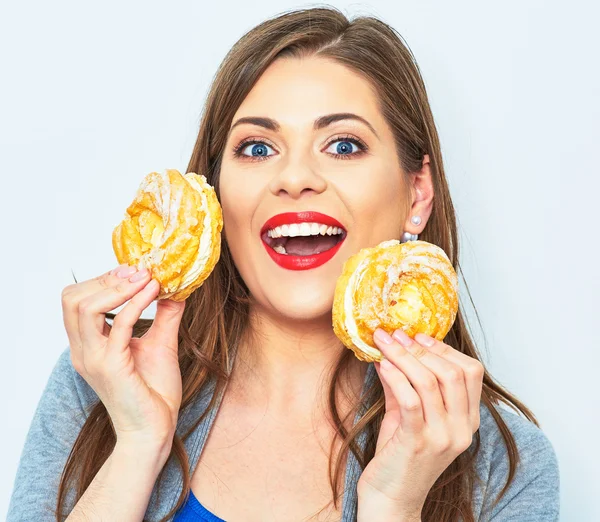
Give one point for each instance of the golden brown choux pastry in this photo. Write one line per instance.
(394, 285)
(173, 228)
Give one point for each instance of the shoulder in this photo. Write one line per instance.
(529, 438)
(533, 493)
(57, 421)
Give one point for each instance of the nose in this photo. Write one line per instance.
(296, 179)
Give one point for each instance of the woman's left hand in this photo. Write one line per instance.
(432, 396)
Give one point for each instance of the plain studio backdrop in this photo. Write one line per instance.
(95, 96)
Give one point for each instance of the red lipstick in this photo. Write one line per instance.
(296, 262)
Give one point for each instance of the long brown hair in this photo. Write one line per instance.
(217, 314)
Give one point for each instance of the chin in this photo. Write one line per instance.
(295, 301)
(303, 308)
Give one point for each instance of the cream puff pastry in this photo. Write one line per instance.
(394, 285)
(173, 228)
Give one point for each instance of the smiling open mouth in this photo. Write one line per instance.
(305, 239)
(302, 240)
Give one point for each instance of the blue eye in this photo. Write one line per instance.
(344, 147)
(257, 149)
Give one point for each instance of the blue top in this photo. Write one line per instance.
(65, 403)
(193, 511)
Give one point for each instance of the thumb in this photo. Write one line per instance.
(390, 401)
(166, 322)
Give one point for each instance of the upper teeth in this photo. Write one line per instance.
(303, 229)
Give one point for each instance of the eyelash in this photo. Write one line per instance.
(237, 150)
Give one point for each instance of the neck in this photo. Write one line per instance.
(286, 366)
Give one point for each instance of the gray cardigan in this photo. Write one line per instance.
(64, 405)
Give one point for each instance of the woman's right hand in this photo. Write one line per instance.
(137, 379)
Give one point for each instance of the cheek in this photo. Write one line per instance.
(386, 182)
(377, 202)
(238, 198)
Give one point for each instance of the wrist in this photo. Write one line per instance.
(147, 454)
(122, 487)
(383, 509)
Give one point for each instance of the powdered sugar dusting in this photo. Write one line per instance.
(168, 202)
(401, 265)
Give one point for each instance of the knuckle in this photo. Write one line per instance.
(84, 306)
(417, 351)
(476, 369)
(445, 350)
(454, 375)
(66, 296)
(411, 405)
(429, 383)
(122, 287)
(103, 280)
(65, 292)
(463, 442)
(443, 443)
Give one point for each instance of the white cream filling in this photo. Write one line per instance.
(414, 305)
(204, 245)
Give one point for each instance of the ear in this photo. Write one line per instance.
(422, 190)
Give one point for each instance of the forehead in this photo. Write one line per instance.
(297, 91)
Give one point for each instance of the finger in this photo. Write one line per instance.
(120, 272)
(73, 294)
(410, 405)
(473, 371)
(450, 376)
(390, 401)
(444, 350)
(105, 280)
(122, 329)
(423, 380)
(92, 309)
(165, 326)
(115, 270)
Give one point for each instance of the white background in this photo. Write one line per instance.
(95, 96)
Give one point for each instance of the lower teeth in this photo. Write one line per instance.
(280, 249)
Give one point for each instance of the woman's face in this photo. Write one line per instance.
(287, 165)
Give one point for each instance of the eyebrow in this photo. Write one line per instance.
(320, 123)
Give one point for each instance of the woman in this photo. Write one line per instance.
(265, 414)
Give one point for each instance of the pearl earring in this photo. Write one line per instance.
(407, 236)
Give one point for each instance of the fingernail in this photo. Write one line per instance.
(126, 271)
(424, 339)
(402, 337)
(139, 275)
(383, 336)
(115, 270)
